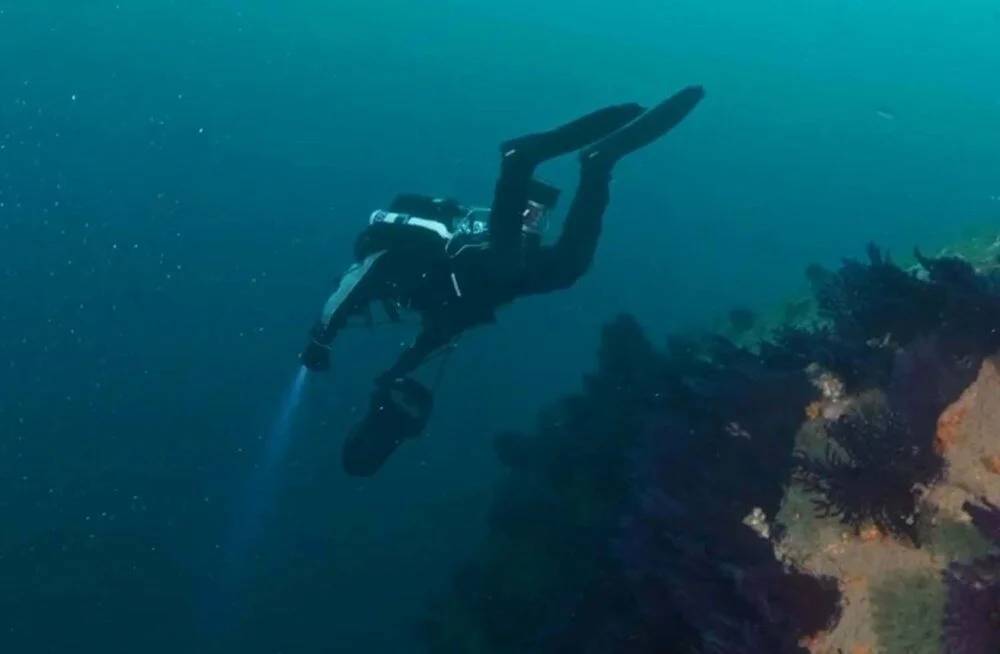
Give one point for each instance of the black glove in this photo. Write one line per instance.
(316, 356)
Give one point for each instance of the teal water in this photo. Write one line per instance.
(180, 184)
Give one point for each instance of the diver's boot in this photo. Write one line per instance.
(643, 130)
(533, 149)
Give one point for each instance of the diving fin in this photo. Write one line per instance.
(539, 147)
(645, 129)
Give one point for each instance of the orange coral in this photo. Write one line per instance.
(871, 534)
(949, 424)
(992, 463)
(815, 643)
(814, 410)
(856, 582)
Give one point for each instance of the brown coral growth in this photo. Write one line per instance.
(950, 423)
(871, 534)
(992, 463)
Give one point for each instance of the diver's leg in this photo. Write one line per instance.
(357, 288)
(572, 136)
(643, 130)
(352, 293)
(510, 199)
(520, 156)
(562, 264)
(582, 229)
(571, 256)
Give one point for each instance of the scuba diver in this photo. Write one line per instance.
(455, 265)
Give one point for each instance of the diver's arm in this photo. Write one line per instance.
(354, 292)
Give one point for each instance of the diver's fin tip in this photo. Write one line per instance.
(646, 128)
(588, 129)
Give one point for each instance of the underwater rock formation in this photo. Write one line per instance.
(986, 517)
(881, 453)
(641, 515)
(869, 472)
(620, 527)
(972, 619)
(908, 613)
(972, 616)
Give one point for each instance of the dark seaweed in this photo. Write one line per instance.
(972, 619)
(972, 616)
(620, 524)
(986, 517)
(869, 472)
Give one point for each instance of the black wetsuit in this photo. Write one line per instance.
(457, 281)
(475, 275)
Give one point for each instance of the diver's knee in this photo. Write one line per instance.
(581, 265)
(516, 159)
(569, 278)
(595, 171)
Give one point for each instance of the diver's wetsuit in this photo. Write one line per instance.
(457, 280)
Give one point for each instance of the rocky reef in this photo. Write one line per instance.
(828, 485)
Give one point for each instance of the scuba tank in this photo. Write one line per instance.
(443, 210)
(457, 218)
(429, 226)
(419, 221)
